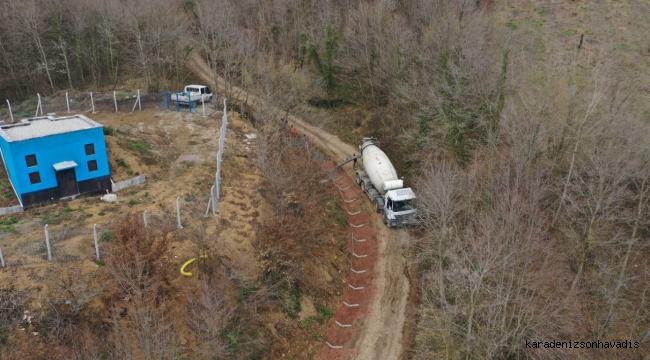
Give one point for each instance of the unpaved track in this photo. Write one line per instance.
(379, 334)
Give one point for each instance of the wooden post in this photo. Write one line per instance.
(582, 37)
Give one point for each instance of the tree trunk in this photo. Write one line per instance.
(639, 214)
(63, 47)
(11, 69)
(39, 46)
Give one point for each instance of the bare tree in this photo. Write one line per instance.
(210, 314)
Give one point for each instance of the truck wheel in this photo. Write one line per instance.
(363, 186)
(377, 208)
(386, 221)
(358, 179)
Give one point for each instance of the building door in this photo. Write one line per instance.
(67, 182)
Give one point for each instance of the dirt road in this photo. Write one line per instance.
(379, 336)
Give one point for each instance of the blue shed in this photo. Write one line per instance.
(50, 158)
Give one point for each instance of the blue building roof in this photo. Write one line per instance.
(44, 126)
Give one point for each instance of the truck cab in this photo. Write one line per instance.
(198, 90)
(399, 207)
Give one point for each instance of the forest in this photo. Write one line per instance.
(523, 126)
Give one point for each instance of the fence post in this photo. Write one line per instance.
(115, 100)
(203, 105)
(2, 258)
(96, 242)
(211, 203)
(10, 112)
(67, 101)
(39, 105)
(144, 217)
(47, 242)
(92, 101)
(213, 193)
(178, 213)
(139, 102)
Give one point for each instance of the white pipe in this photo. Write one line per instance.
(10, 111)
(96, 242)
(47, 242)
(139, 102)
(115, 100)
(67, 101)
(92, 102)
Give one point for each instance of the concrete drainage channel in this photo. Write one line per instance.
(363, 255)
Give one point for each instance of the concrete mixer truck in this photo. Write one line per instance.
(380, 182)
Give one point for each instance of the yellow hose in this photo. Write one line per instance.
(189, 273)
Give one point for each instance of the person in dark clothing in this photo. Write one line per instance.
(354, 162)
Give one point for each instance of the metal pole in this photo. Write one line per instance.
(2, 258)
(215, 194)
(144, 217)
(139, 102)
(178, 213)
(47, 242)
(136, 101)
(92, 102)
(10, 112)
(207, 210)
(96, 242)
(203, 105)
(67, 101)
(38, 105)
(115, 100)
(214, 207)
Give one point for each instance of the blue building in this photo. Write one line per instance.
(50, 158)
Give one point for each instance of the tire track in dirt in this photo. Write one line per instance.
(377, 335)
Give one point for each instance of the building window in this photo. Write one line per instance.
(34, 178)
(90, 149)
(31, 160)
(92, 165)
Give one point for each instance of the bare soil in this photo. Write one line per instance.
(379, 333)
(176, 151)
